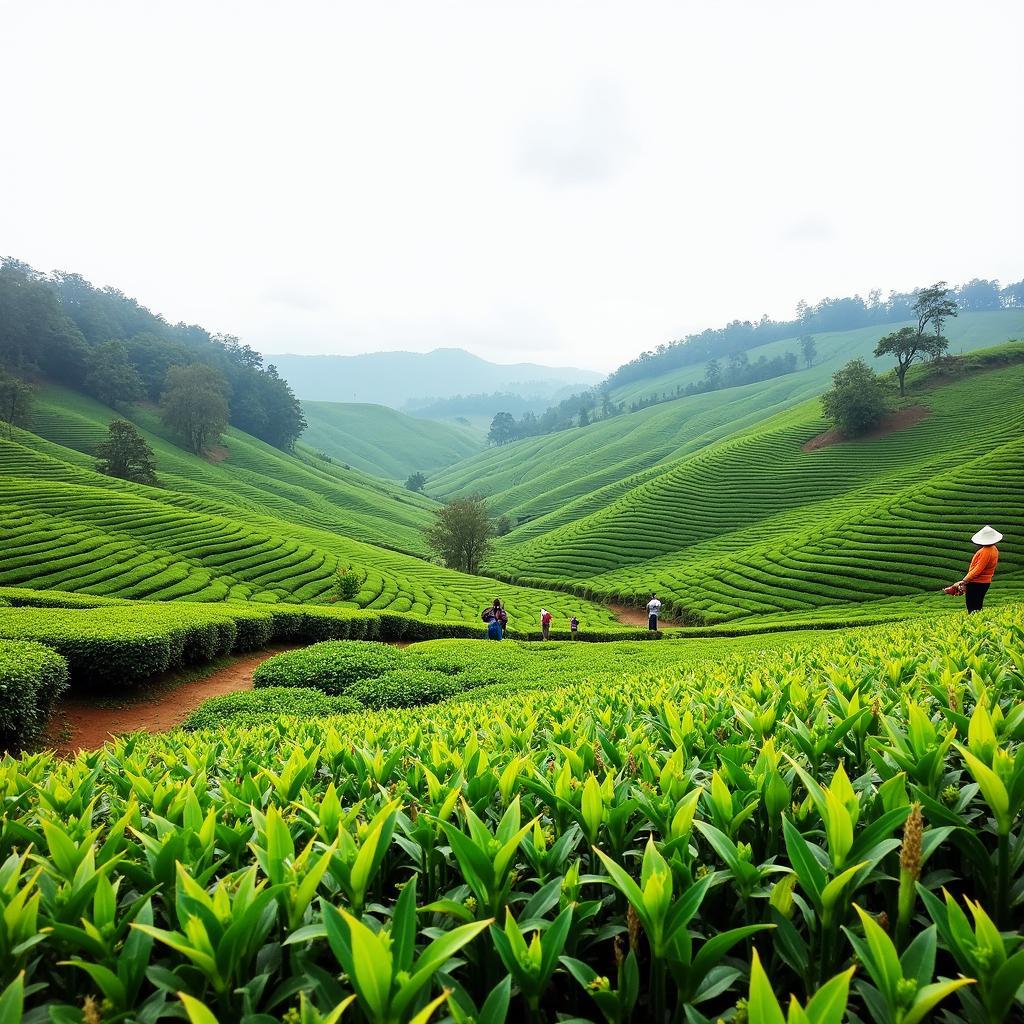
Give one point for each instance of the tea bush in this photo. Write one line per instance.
(837, 817)
(255, 707)
(332, 666)
(32, 679)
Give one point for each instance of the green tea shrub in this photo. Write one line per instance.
(332, 666)
(405, 688)
(32, 678)
(255, 707)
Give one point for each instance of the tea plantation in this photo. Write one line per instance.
(686, 832)
(755, 524)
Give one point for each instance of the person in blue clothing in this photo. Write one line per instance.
(496, 618)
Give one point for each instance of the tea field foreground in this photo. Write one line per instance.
(836, 816)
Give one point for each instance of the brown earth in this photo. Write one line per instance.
(629, 616)
(84, 724)
(902, 419)
(218, 453)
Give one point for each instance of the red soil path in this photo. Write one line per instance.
(85, 724)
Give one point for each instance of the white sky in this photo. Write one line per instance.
(564, 182)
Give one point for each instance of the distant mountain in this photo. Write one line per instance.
(393, 378)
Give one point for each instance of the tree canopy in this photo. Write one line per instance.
(195, 405)
(126, 454)
(62, 327)
(908, 345)
(461, 533)
(857, 401)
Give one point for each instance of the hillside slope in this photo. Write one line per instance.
(754, 524)
(258, 525)
(567, 475)
(386, 442)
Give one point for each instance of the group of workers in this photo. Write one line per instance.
(973, 587)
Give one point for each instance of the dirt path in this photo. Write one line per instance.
(80, 724)
(629, 616)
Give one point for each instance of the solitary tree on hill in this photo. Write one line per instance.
(857, 401)
(933, 306)
(195, 405)
(15, 402)
(713, 375)
(503, 428)
(808, 349)
(461, 533)
(416, 482)
(126, 454)
(908, 345)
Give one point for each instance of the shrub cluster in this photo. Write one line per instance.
(332, 666)
(256, 707)
(32, 678)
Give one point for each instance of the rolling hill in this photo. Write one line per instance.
(255, 524)
(754, 524)
(570, 474)
(393, 378)
(385, 442)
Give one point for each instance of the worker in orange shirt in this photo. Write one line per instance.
(983, 566)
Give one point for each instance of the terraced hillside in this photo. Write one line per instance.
(258, 525)
(756, 525)
(570, 474)
(386, 442)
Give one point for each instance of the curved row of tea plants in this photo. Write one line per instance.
(756, 525)
(610, 850)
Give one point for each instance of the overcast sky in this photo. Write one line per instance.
(568, 183)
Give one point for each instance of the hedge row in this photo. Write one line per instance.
(32, 678)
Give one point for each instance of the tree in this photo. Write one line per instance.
(416, 482)
(503, 429)
(15, 402)
(461, 533)
(808, 349)
(110, 376)
(502, 526)
(713, 375)
(606, 404)
(195, 405)
(584, 416)
(933, 306)
(347, 583)
(857, 401)
(126, 454)
(908, 345)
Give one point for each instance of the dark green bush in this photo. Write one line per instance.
(332, 666)
(32, 678)
(254, 707)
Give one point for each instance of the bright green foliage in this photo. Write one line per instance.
(589, 846)
(332, 666)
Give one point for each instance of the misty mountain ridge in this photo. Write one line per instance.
(397, 379)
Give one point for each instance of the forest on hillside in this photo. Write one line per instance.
(98, 340)
(830, 314)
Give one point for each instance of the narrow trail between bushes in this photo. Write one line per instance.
(629, 616)
(85, 723)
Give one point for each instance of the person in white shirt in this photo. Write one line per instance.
(653, 608)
